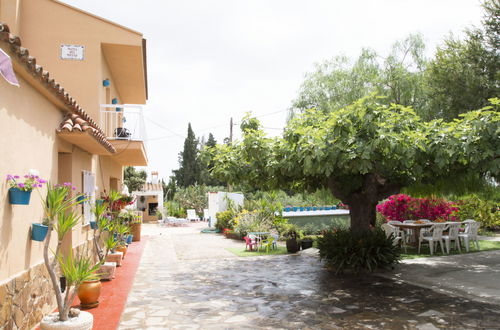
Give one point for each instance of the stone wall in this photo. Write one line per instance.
(25, 299)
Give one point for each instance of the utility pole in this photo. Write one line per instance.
(229, 187)
(231, 131)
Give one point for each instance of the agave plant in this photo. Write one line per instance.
(58, 209)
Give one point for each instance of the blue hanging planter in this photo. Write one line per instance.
(114, 101)
(80, 199)
(129, 239)
(93, 224)
(19, 197)
(106, 83)
(99, 201)
(38, 232)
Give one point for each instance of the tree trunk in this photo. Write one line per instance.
(363, 201)
(52, 273)
(362, 213)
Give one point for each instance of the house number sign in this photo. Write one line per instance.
(72, 52)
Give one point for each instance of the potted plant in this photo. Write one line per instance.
(121, 231)
(291, 233)
(20, 192)
(39, 231)
(58, 209)
(306, 242)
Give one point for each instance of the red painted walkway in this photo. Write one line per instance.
(114, 293)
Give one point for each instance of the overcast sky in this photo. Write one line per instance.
(212, 60)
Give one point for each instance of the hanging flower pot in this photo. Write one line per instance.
(129, 239)
(93, 224)
(80, 199)
(38, 232)
(19, 197)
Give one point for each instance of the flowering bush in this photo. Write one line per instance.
(403, 207)
(251, 221)
(30, 182)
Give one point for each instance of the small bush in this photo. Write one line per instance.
(484, 211)
(224, 220)
(368, 251)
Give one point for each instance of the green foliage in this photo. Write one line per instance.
(465, 73)
(364, 152)
(188, 172)
(174, 209)
(194, 197)
(65, 223)
(339, 82)
(78, 270)
(224, 220)
(110, 243)
(253, 221)
(133, 179)
(484, 211)
(289, 231)
(344, 249)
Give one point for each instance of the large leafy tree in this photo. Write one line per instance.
(363, 152)
(465, 73)
(188, 172)
(133, 179)
(337, 83)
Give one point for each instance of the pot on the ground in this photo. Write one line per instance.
(115, 257)
(107, 271)
(122, 249)
(292, 246)
(306, 244)
(135, 230)
(84, 321)
(88, 293)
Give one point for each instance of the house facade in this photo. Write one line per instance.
(76, 117)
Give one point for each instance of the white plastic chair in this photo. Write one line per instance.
(409, 232)
(453, 231)
(434, 236)
(191, 215)
(401, 232)
(205, 215)
(391, 230)
(470, 234)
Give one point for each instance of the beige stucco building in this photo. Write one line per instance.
(68, 121)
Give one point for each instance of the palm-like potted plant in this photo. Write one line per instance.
(58, 208)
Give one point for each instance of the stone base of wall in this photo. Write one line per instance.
(25, 299)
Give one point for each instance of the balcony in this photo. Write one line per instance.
(124, 127)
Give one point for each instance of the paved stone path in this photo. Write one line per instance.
(187, 280)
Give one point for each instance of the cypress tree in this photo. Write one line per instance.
(187, 173)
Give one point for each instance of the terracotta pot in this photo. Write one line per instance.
(122, 249)
(88, 293)
(84, 321)
(135, 230)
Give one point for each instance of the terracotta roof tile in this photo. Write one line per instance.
(77, 119)
(75, 123)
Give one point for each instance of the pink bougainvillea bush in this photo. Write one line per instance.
(403, 207)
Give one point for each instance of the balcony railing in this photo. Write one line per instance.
(123, 122)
